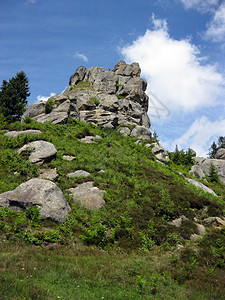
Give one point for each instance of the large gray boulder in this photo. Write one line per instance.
(160, 153)
(41, 151)
(24, 132)
(43, 194)
(34, 110)
(201, 186)
(220, 154)
(197, 172)
(88, 196)
(205, 164)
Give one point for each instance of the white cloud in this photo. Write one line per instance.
(174, 70)
(200, 5)
(216, 28)
(44, 98)
(81, 56)
(200, 135)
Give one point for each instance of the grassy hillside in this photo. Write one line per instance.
(127, 249)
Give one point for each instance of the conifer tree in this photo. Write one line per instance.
(13, 97)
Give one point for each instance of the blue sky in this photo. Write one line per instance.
(179, 44)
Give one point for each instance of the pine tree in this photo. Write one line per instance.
(213, 175)
(13, 97)
(212, 150)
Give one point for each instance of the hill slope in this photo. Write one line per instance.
(143, 201)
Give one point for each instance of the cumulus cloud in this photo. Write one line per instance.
(81, 56)
(200, 135)
(174, 69)
(216, 27)
(44, 98)
(200, 5)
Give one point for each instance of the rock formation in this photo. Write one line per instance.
(205, 164)
(115, 99)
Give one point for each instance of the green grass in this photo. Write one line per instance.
(127, 249)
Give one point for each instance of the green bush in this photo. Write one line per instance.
(49, 105)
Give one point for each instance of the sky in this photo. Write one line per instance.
(179, 45)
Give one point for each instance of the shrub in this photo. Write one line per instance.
(49, 105)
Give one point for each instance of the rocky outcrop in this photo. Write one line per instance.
(205, 164)
(39, 151)
(43, 194)
(106, 98)
(88, 196)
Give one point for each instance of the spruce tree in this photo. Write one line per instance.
(13, 97)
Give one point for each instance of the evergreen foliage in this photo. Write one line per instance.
(13, 97)
(213, 175)
(181, 157)
(216, 146)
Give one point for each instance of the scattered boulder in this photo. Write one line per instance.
(220, 154)
(89, 139)
(178, 222)
(201, 186)
(88, 196)
(215, 221)
(68, 157)
(201, 229)
(50, 174)
(79, 173)
(44, 194)
(195, 237)
(24, 132)
(41, 151)
(197, 172)
(160, 153)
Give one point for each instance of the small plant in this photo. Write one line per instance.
(49, 105)
(146, 242)
(32, 212)
(141, 282)
(95, 100)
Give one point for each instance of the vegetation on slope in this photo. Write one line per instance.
(142, 198)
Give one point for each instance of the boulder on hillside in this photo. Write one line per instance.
(34, 110)
(205, 164)
(79, 173)
(201, 186)
(160, 153)
(24, 132)
(220, 154)
(88, 196)
(43, 194)
(41, 151)
(197, 171)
